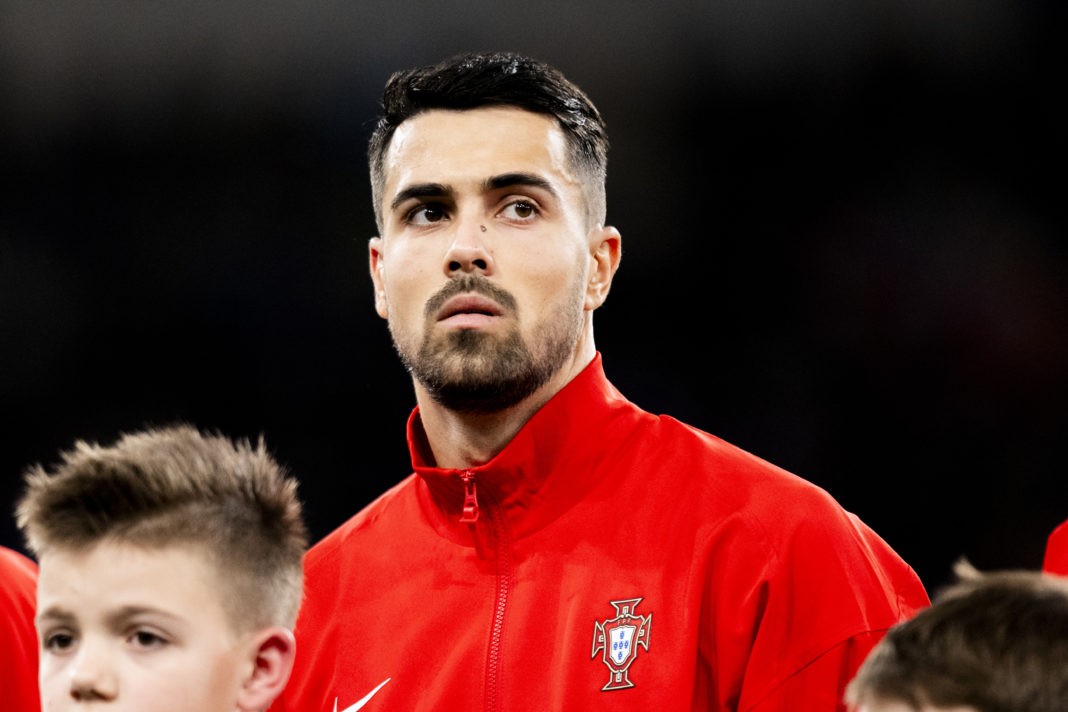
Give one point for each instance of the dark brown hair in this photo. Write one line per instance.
(473, 80)
(994, 641)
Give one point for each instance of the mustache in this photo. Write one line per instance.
(466, 284)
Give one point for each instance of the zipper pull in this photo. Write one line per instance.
(470, 512)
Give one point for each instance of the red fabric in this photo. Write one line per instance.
(1056, 560)
(754, 589)
(18, 637)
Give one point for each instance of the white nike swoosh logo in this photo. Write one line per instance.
(359, 705)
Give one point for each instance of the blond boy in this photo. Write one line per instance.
(170, 573)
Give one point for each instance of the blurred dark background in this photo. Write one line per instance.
(844, 238)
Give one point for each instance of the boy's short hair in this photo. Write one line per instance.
(993, 641)
(474, 80)
(176, 486)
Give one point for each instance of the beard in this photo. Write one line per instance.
(472, 371)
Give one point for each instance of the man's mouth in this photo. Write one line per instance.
(468, 305)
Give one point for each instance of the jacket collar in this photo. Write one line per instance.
(546, 466)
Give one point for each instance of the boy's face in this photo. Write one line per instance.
(131, 629)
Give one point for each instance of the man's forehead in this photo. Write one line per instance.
(441, 129)
(504, 116)
(446, 146)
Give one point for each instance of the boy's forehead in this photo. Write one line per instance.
(174, 578)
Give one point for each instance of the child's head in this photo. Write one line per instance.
(989, 642)
(170, 572)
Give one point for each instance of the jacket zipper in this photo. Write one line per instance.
(469, 515)
(504, 585)
(499, 533)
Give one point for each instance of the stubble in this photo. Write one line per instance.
(473, 371)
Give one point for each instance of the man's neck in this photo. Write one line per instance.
(460, 439)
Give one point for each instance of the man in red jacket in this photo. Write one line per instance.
(18, 637)
(557, 547)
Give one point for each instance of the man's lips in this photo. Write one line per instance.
(468, 310)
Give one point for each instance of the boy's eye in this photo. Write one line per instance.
(58, 642)
(146, 639)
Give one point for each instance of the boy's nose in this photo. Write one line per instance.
(91, 675)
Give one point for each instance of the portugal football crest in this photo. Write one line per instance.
(617, 639)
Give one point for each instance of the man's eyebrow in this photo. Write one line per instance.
(420, 190)
(507, 180)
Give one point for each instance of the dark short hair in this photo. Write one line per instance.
(995, 641)
(473, 80)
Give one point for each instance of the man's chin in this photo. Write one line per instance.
(481, 397)
(467, 351)
(480, 380)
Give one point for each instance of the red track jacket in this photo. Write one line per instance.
(18, 637)
(606, 559)
(1056, 557)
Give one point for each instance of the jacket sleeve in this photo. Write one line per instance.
(18, 637)
(1056, 558)
(820, 686)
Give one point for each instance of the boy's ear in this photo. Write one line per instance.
(271, 653)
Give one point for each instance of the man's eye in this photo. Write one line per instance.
(519, 210)
(426, 214)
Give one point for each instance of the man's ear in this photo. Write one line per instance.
(374, 258)
(271, 652)
(606, 251)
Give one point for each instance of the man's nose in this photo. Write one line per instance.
(471, 247)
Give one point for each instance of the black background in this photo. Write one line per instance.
(843, 238)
